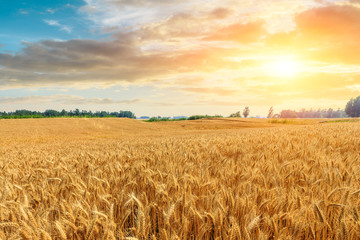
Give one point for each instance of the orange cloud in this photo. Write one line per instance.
(245, 33)
(328, 34)
(217, 91)
(220, 13)
(332, 23)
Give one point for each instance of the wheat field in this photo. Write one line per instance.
(205, 179)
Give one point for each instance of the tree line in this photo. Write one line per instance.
(352, 109)
(76, 113)
(319, 113)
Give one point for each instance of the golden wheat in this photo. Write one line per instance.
(207, 179)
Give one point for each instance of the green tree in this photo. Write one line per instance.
(271, 113)
(126, 114)
(246, 112)
(63, 113)
(51, 113)
(237, 114)
(352, 108)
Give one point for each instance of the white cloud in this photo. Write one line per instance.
(55, 23)
(66, 29)
(23, 12)
(109, 13)
(52, 11)
(52, 22)
(114, 13)
(64, 99)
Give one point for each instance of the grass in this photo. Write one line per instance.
(295, 121)
(214, 179)
(155, 119)
(195, 117)
(281, 121)
(342, 120)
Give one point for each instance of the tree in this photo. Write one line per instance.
(330, 113)
(288, 114)
(237, 114)
(126, 114)
(63, 113)
(271, 113)
(51, 113)
(246, 112)
(352, 108)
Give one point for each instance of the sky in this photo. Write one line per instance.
(179, 57)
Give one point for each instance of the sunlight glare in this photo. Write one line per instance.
(283, 67)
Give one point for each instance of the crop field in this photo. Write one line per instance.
(204, 179)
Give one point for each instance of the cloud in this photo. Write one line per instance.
(64, 99)
(50, 10)
(332, 23)
(220, 13)
(23, 12)
(138, 2)
(55, 23)
(247, 33)
(217, 91)
(110, 13)
(335, 30)
(60, 8)
(58, 56)
(89, 9)
(52, 22)
(104, 62)
(354, 88)
(326, 34)
(307, 86)
(215, 102)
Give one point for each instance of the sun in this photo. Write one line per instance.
(283, 67)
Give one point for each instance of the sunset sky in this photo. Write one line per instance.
(178, 57)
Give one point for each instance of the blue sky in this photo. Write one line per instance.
(175, 57)
(26, 21)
